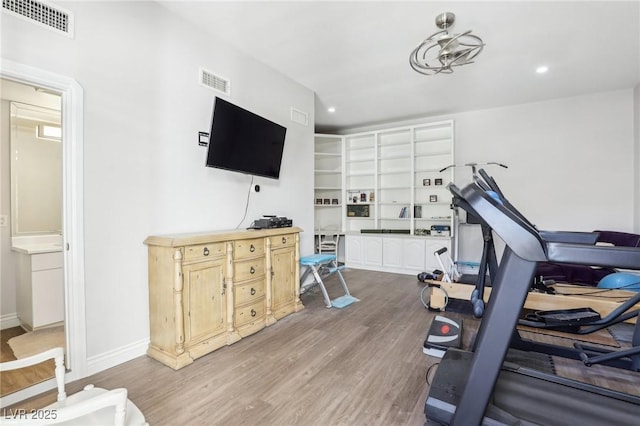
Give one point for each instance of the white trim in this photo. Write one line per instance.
(118, 356)
(73, 217)
(9, 321)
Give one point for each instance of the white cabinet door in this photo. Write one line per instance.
(354, 251)
(372, 251)
(413, 254)
(392, 252)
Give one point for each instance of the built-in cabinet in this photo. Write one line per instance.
(402, 254)
(40, 289)
(212, 289)
(392, 182)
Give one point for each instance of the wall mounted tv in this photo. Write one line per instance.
(244, 142)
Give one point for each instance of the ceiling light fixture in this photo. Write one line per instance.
(442, 51)
(331, 109)
(542, 69)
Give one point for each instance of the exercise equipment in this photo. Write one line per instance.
(621, 280)
(323, 265)
(482, 390)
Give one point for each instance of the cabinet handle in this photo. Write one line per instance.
(206, 251)
(253, 291)
(252, 248)
(252, 270)
(284, 240)
(253, 313)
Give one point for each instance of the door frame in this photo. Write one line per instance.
(73, 217)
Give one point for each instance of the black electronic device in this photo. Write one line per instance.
(269, 222)
(244, 142)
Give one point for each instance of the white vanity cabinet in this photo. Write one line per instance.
(40, 290)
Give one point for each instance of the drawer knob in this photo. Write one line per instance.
(253, 313)
(252, 248)
(206, 251)
(252, 270)
(284, 240)
(253, 291)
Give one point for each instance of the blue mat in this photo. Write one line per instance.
(343, 301)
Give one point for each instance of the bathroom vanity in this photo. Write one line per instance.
(40, 286)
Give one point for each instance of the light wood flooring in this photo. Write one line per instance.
(12, 381)
(361, 365)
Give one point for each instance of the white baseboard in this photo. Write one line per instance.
(9, 321)
(115, 357)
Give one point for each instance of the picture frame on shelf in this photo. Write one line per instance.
(426, 182)
(433, 198)
(437, 181)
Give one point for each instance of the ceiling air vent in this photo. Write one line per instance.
(41, 13)
(215, 82)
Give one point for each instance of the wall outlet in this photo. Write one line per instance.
(4, 220)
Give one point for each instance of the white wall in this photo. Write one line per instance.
(571, 161)
(143, 169)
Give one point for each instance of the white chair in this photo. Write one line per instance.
(328, 242)
(91, 406)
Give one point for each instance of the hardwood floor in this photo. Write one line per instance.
(15, 380)
(361, 365)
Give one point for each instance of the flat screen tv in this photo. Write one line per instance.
(244, 142)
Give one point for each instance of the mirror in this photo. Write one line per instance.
(36, 170)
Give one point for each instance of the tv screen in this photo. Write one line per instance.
(244, 142)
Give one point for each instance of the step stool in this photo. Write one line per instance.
(324, 265)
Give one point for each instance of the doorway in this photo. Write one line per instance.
(72, 244)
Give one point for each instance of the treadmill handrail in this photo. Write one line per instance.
(605, 256)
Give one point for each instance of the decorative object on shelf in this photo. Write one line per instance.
(426, 182)
(437, 181)
(417, 212)
(363, 197)
(433, 198)
(441, 51)
(372, 197)
(441, 230)
(318, 200)
(422, 231)
(358, 211)
(335, 201)
(327, 201)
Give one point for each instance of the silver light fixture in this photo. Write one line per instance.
(442, 51)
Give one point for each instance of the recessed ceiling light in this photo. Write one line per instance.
(542, 69)
(331, 109)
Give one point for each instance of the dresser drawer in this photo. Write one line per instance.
(249, 291)
(282, 240)
(248, 248)
(248, 269)
(203, 251)
(248, 313)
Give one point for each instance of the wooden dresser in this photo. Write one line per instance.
(208, 290)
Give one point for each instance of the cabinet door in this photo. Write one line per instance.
(204, 300)
(354, 251)
(372, 251)
(413, 254)
(282, 281)
(392, 252)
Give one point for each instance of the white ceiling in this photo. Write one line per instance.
(354, 55)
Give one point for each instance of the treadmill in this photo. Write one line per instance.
(473, 388)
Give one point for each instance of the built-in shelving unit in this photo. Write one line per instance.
(391, 181)
(328, 182)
